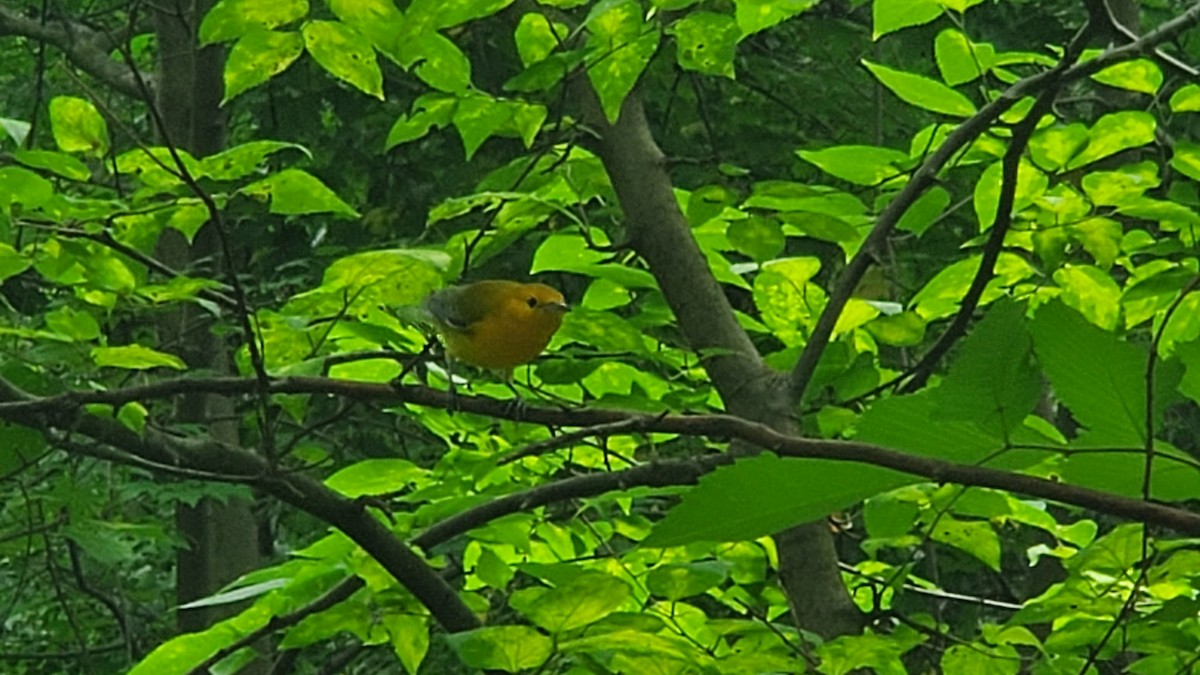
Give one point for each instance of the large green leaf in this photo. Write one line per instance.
(507, 648)
(257, 57)
(1091, 292)
(580, 601)
(766, 494)
(619, 47)
(136, 357)
(78, 126)
(297, 192)
(706, 42)
(922, 92)
(861, 164)
(1031, 183)
(993, 382)
(231, 19)
(375, 477)
(889, 16)
(960, 60)
(756, 15)
(1113, 133)
(345, 54)
(1100, 378)
(55, 162)
(1140, 75)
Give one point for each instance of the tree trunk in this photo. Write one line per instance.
(222, 537)
(659, 232)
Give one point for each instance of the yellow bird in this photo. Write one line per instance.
(496, 324)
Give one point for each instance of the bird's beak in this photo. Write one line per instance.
(560, 307)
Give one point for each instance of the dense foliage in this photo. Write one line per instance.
(958, 237)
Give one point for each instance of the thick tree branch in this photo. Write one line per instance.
(660, 234)
(86, 48)
(54, 412)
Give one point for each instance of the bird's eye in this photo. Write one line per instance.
(532, 302)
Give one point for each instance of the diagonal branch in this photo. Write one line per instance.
(925, 174)
(86, 48)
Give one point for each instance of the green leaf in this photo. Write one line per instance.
(1140, 75)
(959, 6)
(178, 654)
(889, 16)
(135, 357)
(974, 537)
(157, 167)
(606, 331)
(391, 277)
(379, 20)
(1091, 292)
(1185, 158)
(921, 215)
(78, 126)
(905, 329)
(1122, 186)
(1113, 133)
(409, 637)
(922, 92)
(1101, 379)
(375, 477)
(442, 65)
(1100, 237)
(17, 130)
(981, 659)
(76, 325)
(960, 60)
(1186, 99)
(237, 594)
(886, 516)
(231, 19)
(683, 580)
(441, 14)
(993, 382)
(860, 164)
(706, 42)
(759, 238)
(430, 110)
(538, 37)
(915, 424)
(1031, 183)
(765, 494)
(19, 185)
(1051, 148)
(507, 648)
(579, 602)
(345, 54)
(297, 192)
(756, 15)
(788, 302)
(619, 47)
(478, 117)
(258, 56)
(12, 262)
(245, 159)
(55, 162)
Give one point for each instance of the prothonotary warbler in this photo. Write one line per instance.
(496, 324)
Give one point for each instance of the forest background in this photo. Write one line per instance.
(926, 266)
